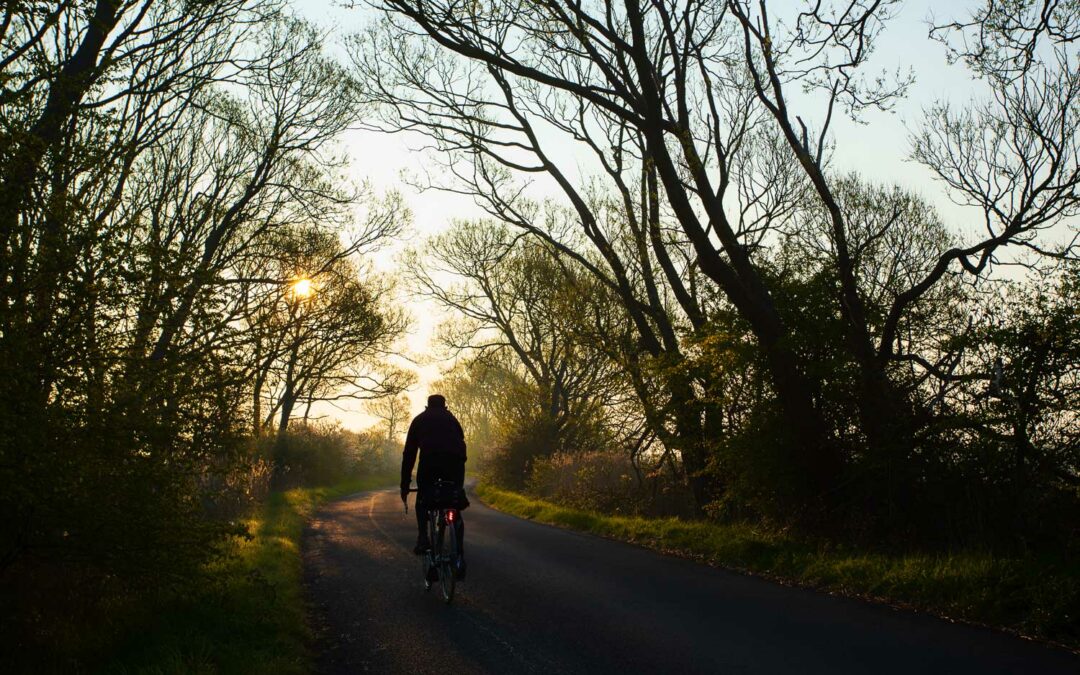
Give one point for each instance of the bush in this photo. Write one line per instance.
(608, 482)
(134, 500)
(510, 463)
(596, 481)
(377, 454)
(315, 453)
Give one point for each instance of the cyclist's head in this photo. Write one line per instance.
(436, 401)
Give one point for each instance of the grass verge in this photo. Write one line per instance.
(1033, 596)
(250, 616)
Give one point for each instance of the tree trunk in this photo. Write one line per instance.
(813, 455)
(888, 426)
(690, 439)
(288, 401)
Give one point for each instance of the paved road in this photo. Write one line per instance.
(544, 600)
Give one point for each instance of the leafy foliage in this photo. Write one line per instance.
(165, 166)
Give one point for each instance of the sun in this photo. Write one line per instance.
(303, 288)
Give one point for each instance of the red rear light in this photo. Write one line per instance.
(451, 516)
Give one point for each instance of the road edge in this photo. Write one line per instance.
(778, 579)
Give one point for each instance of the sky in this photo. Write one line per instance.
(877, 149)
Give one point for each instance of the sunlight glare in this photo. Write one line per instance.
(302, 288)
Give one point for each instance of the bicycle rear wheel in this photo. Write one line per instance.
(446, 549)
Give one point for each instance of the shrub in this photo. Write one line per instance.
(313, 453)
(595, 481)
(608, 482)
(510, 463)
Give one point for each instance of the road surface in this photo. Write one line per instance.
(543, 600)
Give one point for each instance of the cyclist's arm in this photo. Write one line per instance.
(408, 456)
(460, 433)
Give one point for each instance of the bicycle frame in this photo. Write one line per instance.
(441, 522)
(440, 556)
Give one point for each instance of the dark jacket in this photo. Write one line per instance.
(439, 438)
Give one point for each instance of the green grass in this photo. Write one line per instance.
(250, 617)
(1033, 596)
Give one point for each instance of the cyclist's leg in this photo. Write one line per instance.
(458, 477)
(421, 522)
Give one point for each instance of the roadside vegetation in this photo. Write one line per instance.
(249, 616)
(1035, 596)
(242, 612)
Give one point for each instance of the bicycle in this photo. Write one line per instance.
(442, 553)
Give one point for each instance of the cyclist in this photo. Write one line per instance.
(438, 436)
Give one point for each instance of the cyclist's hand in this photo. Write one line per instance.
(405, 493)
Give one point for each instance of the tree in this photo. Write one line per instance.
(153, 157)
(484, 90)
(515, 301)
(695, 98)
(516, 297)
(1013, 157)
(394, 413)
(318, 324)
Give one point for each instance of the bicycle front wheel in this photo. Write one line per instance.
(447, 549)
